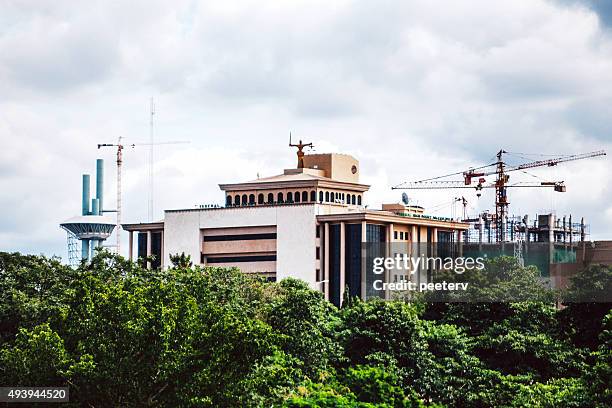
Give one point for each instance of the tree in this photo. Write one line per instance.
(121, 335)
(307, 322)
(587, 300)
(181, 261)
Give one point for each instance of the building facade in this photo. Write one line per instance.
(309, 223)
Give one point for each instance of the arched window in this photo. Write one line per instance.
(260, 199)
(270, 198)
(353, 199)
(327, 196)
(342, 198)
(313, 196)
(228, 201)
(297, 197)
(359, 200)
(320, 196)
(251, 199)
(337, 195)
(244, 199)
(290, 197)
(280, 198)
(236, 199)
(304, 196)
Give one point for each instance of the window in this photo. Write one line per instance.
(236, 199)
(320, 196)
(290, 197)
(327, 196)
(228, 201)
(304, 196)
(245, 258)
(239, 237)
(353, 199)
(270, 198)
(402, 235)
(394, 234)
(358, 200)
(313, 196)
(297, 197)
(318, 253)
(280, 198)
(318, 231)
(260, 199)
(244, 199)
(252, 199)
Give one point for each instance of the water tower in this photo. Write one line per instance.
(92, 227)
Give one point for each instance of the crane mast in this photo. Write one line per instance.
(501, 197)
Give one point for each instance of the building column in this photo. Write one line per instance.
(131, 246)
(388, 244)
(342, 260)
(149, 235)
(434, 241)
(161, 251)
(364, 279)
(326, 259)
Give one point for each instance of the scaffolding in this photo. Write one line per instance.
(544, 228)
(74, 251)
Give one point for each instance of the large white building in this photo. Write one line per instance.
(308, 223)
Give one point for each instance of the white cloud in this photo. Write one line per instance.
(411, 88)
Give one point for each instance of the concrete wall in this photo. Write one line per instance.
(296, 243)
(295, 227)
(338, 167)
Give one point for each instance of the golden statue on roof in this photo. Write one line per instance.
(300, 152)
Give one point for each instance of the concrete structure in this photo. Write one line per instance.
(308, 223)
(91, 228)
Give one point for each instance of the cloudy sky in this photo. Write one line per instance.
(411, 88)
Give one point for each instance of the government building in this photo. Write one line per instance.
(309, 222)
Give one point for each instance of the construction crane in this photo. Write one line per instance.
(120, 146)
(500, 169)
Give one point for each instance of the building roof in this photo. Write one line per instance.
(143, 226)
(386, 216)
(288, 177)
(293, 179)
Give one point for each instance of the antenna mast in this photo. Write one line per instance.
(151, 161)
(119, 164)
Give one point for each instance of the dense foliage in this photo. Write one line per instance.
(119, 335)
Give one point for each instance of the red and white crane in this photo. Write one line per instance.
(500, 169)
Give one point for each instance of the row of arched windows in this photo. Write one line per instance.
(341, 198)
(291, 197)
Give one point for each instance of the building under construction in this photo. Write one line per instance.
(543, 228)
(552, 244)
(556, 245)
(500, 227)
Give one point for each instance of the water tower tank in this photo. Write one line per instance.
(92, 227)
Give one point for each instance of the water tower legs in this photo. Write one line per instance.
(85, 249)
